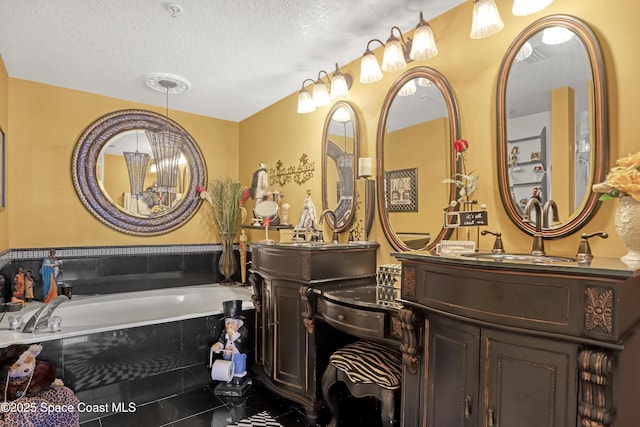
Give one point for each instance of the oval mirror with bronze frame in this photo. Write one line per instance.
(102, 144)
(340, 151)
(418, 123)
(552, 124)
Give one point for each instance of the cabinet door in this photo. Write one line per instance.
(453, 374)
(290, 344)
(528, 382)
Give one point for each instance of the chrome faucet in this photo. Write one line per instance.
(549, 204)
(40, 319)
(538, 241)
(334, 237)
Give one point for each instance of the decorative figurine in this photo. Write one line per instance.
(308, 216)
(28, 286)
(49, 272)
(18, 286)
(233, 345)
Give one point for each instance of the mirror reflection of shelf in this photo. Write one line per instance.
(528, 168)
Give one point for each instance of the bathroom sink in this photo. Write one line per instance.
(534, 259)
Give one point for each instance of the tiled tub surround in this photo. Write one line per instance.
(103, 270)
(160, 347)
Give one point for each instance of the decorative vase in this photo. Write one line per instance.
(227, 263)
(627, 222)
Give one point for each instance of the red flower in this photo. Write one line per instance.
(245, 196)
(200, 188)
(460, 145)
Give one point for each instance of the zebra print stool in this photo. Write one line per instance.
(368, 368)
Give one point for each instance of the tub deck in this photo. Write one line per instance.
(92, 314)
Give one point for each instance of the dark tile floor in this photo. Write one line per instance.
(203, 408)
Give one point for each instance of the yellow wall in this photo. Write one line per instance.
(431, 198)
(471, 67)
(45, 123)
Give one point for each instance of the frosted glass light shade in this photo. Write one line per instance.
(424, 44)
(556, 35)
(320, 94)
(424, 82)
(369, 68)
(529, 7)
(525, 51)
(408, 89)
(341, 115)
(339, 87)
(486, 19)
(305, 103)
(393, 59)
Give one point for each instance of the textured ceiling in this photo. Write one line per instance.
(240, 56)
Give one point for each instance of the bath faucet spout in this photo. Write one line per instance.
(538, 241)
(334, 236)
(40, 319)
(549, 204)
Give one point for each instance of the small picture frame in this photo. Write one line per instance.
(401, 190)
(535, 155)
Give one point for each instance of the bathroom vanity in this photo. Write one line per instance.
(289, 282)
(513, 343)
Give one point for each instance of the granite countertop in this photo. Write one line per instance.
(318, 246)
(599, 266)
(365, 296)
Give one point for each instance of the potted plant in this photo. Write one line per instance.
(226, 198)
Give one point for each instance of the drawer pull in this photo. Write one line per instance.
(467, 406)
(341, 317)
(492, 421)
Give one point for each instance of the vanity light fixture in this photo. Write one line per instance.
(393, 59)
(305, 102)
(529, 7)
(556, 35)
(370, 71)
(398, 52)
(423, 45)
(340, 84)
(486, 19)
(320, 93)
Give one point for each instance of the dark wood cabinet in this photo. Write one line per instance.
(454, 367)
(520, 345)
(292, 349)
(483, 377)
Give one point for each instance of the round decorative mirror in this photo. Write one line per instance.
(418, 124)
(552, 124)
(340, 151)
(137, 172)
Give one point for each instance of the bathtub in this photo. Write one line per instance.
(92, 314)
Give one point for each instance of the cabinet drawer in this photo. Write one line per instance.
(353, 321)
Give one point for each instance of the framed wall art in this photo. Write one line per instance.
(401, 190)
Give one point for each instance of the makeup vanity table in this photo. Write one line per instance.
(313, 298)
